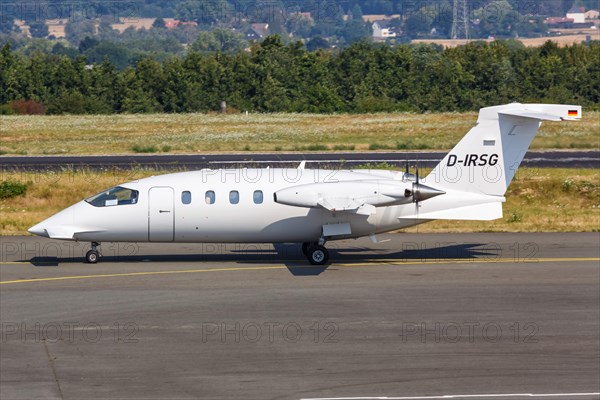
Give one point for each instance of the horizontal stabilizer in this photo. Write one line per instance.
(476, 212)
(456, 206)
(541, 112)
(533, 115)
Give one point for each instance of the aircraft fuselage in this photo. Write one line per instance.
(236, 205)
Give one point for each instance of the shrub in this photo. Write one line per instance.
(5, 109)
(378, 146)
(344, 147)
(141, 149)
(67, 102)
(9, 189)
(567, 185)
(514, 217)
(27, 107)
(380, 165)
(317, 147)
(412, 146)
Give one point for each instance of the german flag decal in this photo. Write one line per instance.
(572, 113)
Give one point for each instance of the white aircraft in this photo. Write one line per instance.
(311, 206)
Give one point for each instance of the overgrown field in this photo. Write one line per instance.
(189, 133)
(565, 200)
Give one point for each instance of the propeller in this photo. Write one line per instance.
(416, 191)
(407, 175)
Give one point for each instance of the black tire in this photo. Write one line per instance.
(92, 257)
(318, 255)
(305, 247)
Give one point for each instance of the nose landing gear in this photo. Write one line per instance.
(93, 255)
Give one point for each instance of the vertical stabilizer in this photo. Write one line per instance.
(487, 158)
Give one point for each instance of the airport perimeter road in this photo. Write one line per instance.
(416, 316)
(554, 159)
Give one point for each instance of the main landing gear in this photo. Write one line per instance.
(315, 252)
(93, 255)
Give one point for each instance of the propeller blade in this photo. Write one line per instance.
(416, 190)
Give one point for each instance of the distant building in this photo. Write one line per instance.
(592, 14)
(382, 30)
(559, 22)
(257, 32)
(23, 27)
(577, 14)
(301, 15)
(379, 17)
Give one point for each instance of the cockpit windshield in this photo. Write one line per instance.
(114, 197)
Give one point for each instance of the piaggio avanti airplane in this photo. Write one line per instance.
(311, 206)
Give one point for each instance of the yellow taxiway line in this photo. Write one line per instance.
(263, 268)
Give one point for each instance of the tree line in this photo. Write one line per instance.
(278, 77)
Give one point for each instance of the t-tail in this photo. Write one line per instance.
(476, 173)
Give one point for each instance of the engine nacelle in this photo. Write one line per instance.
(346, 195)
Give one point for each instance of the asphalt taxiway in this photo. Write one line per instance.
(415, 316)
(426, 159)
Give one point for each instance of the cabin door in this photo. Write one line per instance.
(161, 216)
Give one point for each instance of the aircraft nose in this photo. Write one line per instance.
(38, 230)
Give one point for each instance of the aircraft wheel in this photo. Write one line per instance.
(318, 255)
(92, 257)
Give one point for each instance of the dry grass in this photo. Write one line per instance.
(189, 133)
(540, 200)
(565, 200)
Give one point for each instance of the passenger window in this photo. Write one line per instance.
(186, 197)
(234, 197)
(210, 197)
(258, 197)
(116, 196)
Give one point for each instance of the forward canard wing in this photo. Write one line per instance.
(62, 232)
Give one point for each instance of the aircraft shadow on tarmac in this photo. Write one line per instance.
(291, 256)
